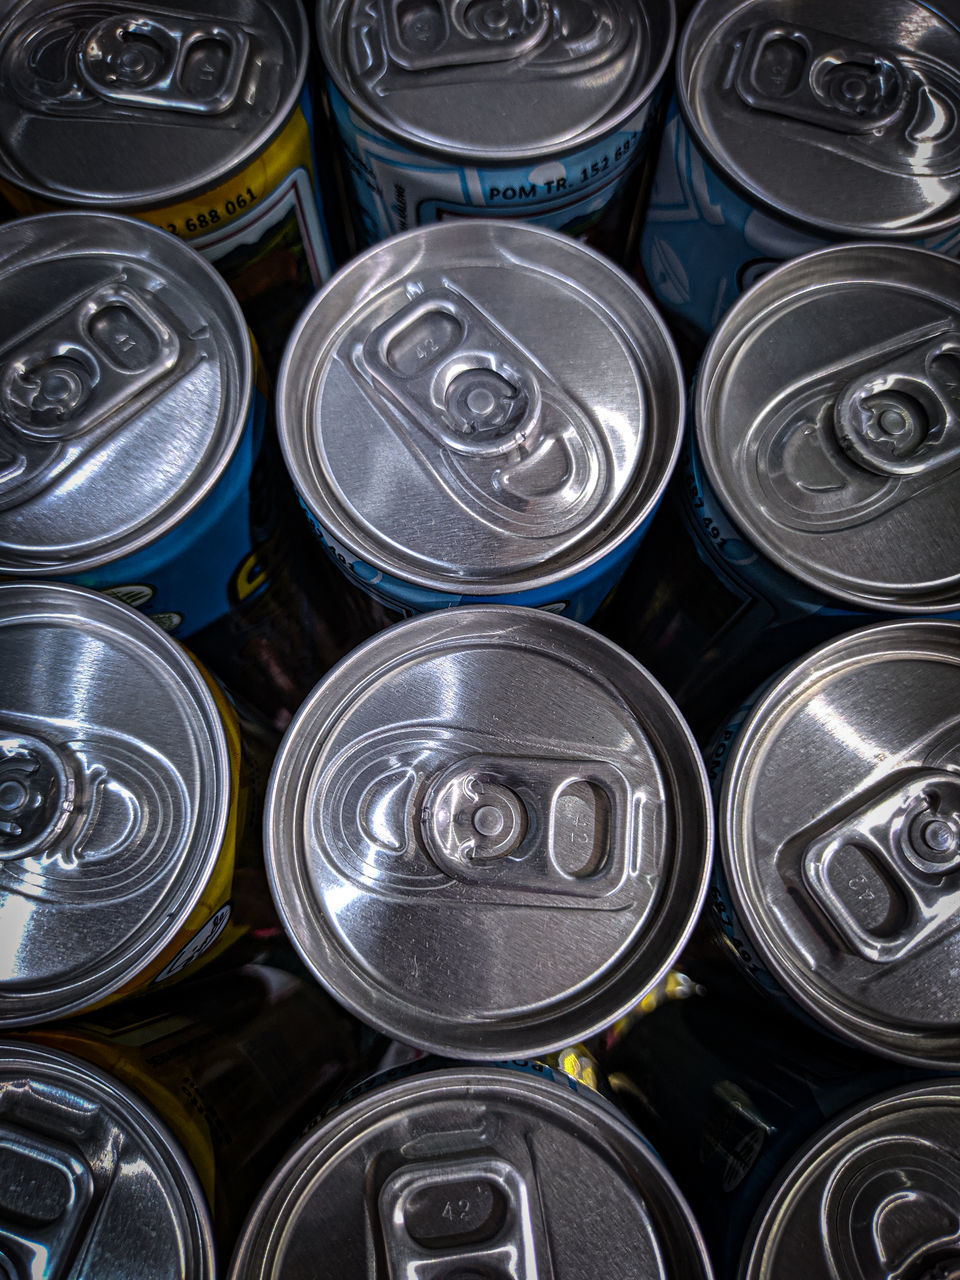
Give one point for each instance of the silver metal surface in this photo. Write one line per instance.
(108, 104)
(125, 386)
(114, 796)
(472, 1172)
(488, 831)
(521, 394)
(840, 836)
(845, 117)
(562, 74)
(827, 419)
(875, 1196)
(93, 1183)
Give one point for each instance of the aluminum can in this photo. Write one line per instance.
(210, 113)
(236, 1063)
(122, 805)
(438, 817)
(473, 1171)
(451, 447)
(129, 422)
(839, 831)
(820, 488)
(798, 123)
(137, 455)
(94, 1182)
(411, 89)
(728, 1091)
(875, 1194)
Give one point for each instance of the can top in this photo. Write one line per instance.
(473, 1172)
(439, 819)
(93, 1183)
(829, 425)
(845, 117)
(519, 391)
(114, 795)
(563, 74)
(107, 104)
(875, 1194)
(125, 385)
(840, 834)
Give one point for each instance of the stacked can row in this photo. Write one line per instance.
(441, 425)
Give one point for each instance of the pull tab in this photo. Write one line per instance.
(457, 1219)
(91, 818)
(139, 61)
(424, 34)
(881, 877)
(85, 364)
(528, 459)
(550, 826)
(38, 795)
(893, 1211)
(428, 808)
(45, 1195)
(812, 76)
(845, 450)
(902, 418)
(465, 383)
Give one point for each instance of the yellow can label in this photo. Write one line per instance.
(245, 224)
(169, 1087)
(211, 926)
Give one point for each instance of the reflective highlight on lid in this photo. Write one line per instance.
(437, 817)
(845, 118)
(840, 832)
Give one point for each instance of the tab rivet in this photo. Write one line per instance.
(480, 401)
(893, 422)
(13, 796)
(37, 794)
(488, 820)
(939, 837)
(853, 89)
(59, 387)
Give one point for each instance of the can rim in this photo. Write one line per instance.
(150, 1129)
(618, 530)
(479, 155)
(176, 194)
(70, 603)
(545, 1032)
(726, 339)
(752, 193)
(242, 349)
(863, 1030)
(841, 1126)
(256, 1247)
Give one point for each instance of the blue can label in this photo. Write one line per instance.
(578, 597)
(396, 188)
(208, 563)
(772, 596)
(703, 244)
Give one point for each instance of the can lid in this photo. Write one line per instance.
(185, 98)
(126, 378)
(563, 74)
(838, 116)
(114, 795)
(876, 1194)
(829, 426)
(840, 834)
(92, 1179)
(473, 1172)
(488, 831)
(519, 391)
